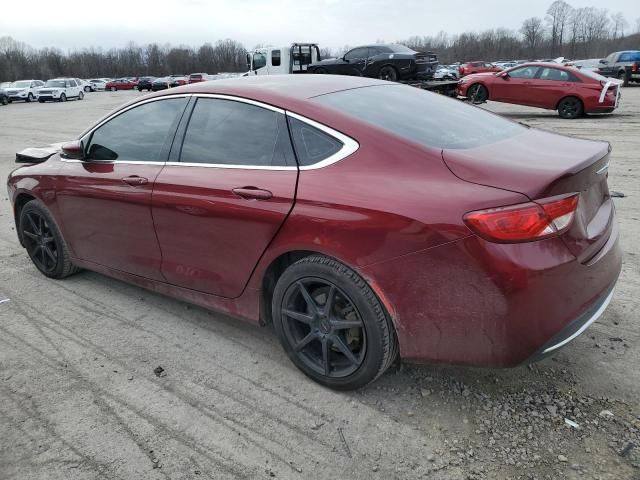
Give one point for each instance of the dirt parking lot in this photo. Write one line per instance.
(79, 398)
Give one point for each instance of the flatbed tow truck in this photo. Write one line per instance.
(296, 58)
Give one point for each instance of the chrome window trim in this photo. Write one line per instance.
(349, 145)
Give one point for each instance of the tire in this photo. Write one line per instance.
(349, 346)
(620, 75)
(40, 100)
(114, 89)
(63, 97)
(80, 95)
(5, 101)
(477, 93)
(570, 108)
(87, 88)
(30, 98)
(388, 73)
(44, 243)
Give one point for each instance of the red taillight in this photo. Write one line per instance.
(524, 222)
(634, 68)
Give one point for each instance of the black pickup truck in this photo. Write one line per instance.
(614, 65)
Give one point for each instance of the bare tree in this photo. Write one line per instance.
(533, 32)
(618, 23)
(558, 15)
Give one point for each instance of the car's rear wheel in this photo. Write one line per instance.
(331, 324)
(4, 100)
(80, 95)
(478, 93)
(63, 98)
(570, 107)
(43, 241)
(388, 73)
(30, 97)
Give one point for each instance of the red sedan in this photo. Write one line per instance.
(121, 84)
(364, 219)
(569, 90)
(470, 68)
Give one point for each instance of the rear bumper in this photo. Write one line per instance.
(474, 302)
(575, 328)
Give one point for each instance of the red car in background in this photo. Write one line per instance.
(198, 77)
(121, 84)
(477, 67)
(364, 219)
(570, 91)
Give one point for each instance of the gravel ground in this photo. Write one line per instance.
(79, 398)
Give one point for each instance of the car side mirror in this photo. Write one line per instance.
(503, 75)
(345, 59)
(73, 150)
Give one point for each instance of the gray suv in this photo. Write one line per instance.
(614, 65)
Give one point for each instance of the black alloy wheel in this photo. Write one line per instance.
(39, 241)
(388, 73)
(44, 243)
(477, 93)
(331, 324)
(323, 327)
(570, 108)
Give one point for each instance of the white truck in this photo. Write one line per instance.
(282, 60)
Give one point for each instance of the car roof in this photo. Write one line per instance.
(281, 90)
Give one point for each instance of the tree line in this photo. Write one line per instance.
(575, 33)
(18, 60)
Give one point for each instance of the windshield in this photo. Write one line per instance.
(22, 84)
(423, 117)
(55, 83)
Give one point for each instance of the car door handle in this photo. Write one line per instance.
(135, 180)
(253, 193)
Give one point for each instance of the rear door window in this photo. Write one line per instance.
(629, 57)
(228, 132)
(524, 72)
(554, 74)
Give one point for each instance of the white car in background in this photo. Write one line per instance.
(446, 72)
(26, 90)
(60, 90)
(86, 86)
(98, 83)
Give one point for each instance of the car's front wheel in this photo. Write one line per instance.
(331, 324)
(63, 98)
(570, 108)
(44, 243)
(5, 101)
(113, 89)
(478, 93)
(30, 97)
(87, 88)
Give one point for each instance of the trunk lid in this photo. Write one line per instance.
(540, 165)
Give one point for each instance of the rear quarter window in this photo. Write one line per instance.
(629, 57)
(422, 117)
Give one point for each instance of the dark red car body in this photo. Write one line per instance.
(551, 83)
(393, 211)
(197, 77)
(470, 68)
(121, 84)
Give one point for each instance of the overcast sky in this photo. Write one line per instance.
(332, 23)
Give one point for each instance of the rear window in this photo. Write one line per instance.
(423, 117)
(629, 57)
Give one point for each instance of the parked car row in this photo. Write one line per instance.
(56, 89)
